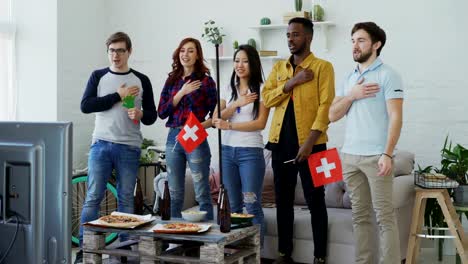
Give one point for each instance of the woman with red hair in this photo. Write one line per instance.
(188, 88)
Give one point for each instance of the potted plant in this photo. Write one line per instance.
(213, 35)
(147, 156)
(318, 13)
(298, 5)
(235, 45)
(454, 164)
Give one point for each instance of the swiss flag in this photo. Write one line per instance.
(325, 167)
(192, 134)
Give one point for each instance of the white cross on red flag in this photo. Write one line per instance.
(192, 134)
(325, 167)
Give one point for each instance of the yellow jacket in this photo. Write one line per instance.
(312, 99)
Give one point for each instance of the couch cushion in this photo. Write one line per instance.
(403, 190)
(189, 193)
(340, 229)
(403, 163)
(337, 196)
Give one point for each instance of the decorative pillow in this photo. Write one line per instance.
(336, 195)
(214, 186)
(268, 193)
(403, 163)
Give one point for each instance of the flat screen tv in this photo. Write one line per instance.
(35, 184)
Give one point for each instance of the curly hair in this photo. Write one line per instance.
(200, 69)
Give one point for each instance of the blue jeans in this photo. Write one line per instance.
(199, 164)
(243, 173)
(103, 157)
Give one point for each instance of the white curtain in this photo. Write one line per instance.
(7, 63)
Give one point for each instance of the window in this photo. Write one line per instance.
(7, 42)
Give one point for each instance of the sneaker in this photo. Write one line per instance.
(319, 260)
(79, 257)
(284, 260)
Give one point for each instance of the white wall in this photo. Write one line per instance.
(36, 60)
(81, 49)
(426, 44)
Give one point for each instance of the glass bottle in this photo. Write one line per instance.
(138, 198)
(218, 203)
(165, 205)
(224, 213)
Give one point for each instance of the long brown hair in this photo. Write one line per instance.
(200, 69)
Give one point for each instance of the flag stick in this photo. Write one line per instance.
(219, 116)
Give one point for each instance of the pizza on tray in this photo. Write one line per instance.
(120, 221)
(182, 227)
(239, 215)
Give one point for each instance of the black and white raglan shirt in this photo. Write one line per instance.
(112, 122)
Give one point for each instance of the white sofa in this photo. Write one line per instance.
(340, 228)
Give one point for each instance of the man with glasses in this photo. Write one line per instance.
(116, 139)
(301, 89)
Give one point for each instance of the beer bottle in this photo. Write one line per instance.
(138, 199)
(224, 213)
(165, 205)
(218, 204)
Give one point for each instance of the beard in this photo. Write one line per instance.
(299, 49)
(362, 56)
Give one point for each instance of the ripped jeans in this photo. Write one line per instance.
(199, 164)
(243, 173)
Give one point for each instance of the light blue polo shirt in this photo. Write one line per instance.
(367, 119)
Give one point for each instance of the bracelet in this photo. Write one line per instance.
(386, 155)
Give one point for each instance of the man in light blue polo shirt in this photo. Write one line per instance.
(371, 97)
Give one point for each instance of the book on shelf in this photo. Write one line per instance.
(268, 53)
(288, 15)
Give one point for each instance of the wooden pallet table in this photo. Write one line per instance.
(238, 246)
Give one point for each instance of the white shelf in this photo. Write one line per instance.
(323, 26)
(229, 58)
(281, 26)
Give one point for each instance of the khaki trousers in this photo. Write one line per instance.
(369, 191)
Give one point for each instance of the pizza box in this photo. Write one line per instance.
(159, 228)
(144, 219)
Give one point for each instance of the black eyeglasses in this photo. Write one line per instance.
(118, 51)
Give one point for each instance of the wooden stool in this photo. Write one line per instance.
(451, 218)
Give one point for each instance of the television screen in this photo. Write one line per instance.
(35, 184)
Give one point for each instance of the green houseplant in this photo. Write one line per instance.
(454, 164)
(212, 33)
(298, 5)
(147, 156)
(318, 13)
